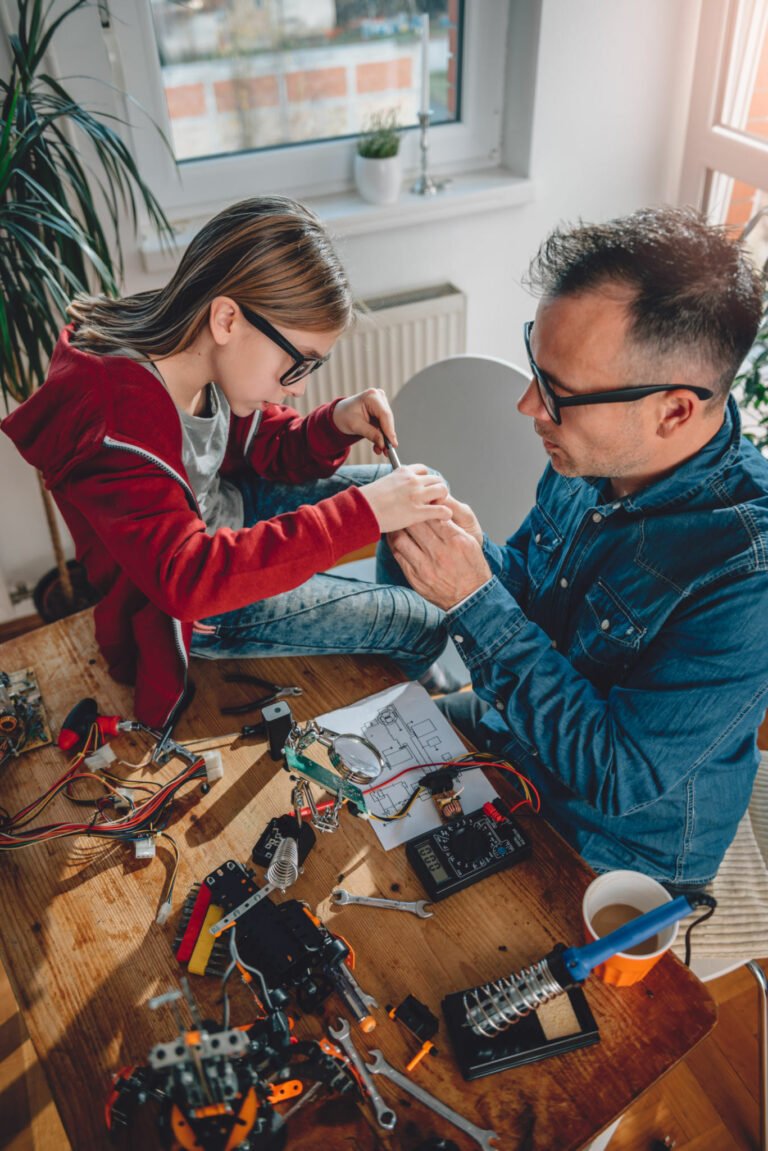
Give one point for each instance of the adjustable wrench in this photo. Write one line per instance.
(385, 1116)
(381, 1067)
(417, 907)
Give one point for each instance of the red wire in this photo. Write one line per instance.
(465, 765)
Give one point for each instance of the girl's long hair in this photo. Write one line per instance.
(269, 253)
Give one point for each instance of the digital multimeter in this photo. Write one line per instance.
(467, 849)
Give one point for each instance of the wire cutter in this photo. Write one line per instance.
(273, 691)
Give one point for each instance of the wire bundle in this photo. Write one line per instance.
(146, 819)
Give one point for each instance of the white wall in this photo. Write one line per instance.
(610, 108)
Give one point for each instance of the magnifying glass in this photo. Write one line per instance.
(353, 756)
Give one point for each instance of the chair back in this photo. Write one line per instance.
(738, 931)
(459, 416)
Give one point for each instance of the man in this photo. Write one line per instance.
(617, 642)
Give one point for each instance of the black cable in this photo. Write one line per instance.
(698, 900)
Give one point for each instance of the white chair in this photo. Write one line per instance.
(459, 415)
(737, 933)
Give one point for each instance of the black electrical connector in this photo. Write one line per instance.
(438, 782)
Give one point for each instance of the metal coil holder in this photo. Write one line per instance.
(283, 870)
(495, 1006)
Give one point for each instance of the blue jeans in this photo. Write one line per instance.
(330, 613)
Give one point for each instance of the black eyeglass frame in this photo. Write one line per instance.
(302, 365)
(553, 403)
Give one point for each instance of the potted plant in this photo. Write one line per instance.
(62, 171)
(378, 174)
(752, 379)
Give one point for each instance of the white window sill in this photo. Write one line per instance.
(346, 214)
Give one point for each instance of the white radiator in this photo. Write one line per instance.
(397, 337)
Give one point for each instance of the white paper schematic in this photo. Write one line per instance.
(408, 728)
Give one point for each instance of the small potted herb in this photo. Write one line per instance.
(378, 173)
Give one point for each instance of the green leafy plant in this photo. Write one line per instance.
(753, 387)
(59, 213)
(381, 138)
(751, 384)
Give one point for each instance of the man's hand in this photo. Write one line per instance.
(441, 561)
(367, 414)
(465, 518)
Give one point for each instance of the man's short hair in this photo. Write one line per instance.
(696, 288)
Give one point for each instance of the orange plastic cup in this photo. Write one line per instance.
(612, 900)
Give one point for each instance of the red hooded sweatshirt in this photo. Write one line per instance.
(107, 438)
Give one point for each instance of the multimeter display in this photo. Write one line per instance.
(466, 850)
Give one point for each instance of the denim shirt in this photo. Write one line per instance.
(622, 646)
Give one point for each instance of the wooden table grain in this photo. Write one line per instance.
(84, 953)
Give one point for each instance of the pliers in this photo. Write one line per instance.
(274, 691)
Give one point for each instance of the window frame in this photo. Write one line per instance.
(315, 168)
(713, 148)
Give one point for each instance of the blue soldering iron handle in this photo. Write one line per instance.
(581, 960)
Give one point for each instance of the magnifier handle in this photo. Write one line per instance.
(581, 960)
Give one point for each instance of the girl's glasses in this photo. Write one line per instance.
(302, 365)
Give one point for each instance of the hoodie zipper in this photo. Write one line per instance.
(164, 467)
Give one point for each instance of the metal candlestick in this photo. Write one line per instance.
(425, 185)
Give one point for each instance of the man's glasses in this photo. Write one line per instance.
(302, 365)
(553, 402)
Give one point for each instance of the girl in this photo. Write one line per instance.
(201, 506)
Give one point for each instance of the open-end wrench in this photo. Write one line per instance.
(417, 907)
(385, 1116)
(482, 1137)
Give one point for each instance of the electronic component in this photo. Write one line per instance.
(23, 723)
(284, 827)
(442, 787)
(466, 850)
(285, 941)
(419, 1020)
(217, 1087)
(344, 764)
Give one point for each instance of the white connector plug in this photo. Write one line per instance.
(214, 765)
(145, 847)
(163, 912)
(102, 757)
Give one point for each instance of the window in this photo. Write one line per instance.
(239, 77)
(260, 96)
(726, 154)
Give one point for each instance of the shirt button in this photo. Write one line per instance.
(605, 624)
(596, 518)
(563, 582)
(537, 538)
(458, 639)
(499, 704)
(554, 643)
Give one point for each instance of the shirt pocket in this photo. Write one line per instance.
(544, 547)
(608, 633)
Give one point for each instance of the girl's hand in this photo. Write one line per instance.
(409, 495)
(368, 415)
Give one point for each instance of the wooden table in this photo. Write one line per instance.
(84, 953)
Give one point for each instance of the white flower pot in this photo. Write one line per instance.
(378, 181)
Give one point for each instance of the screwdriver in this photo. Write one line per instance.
(392, 455)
